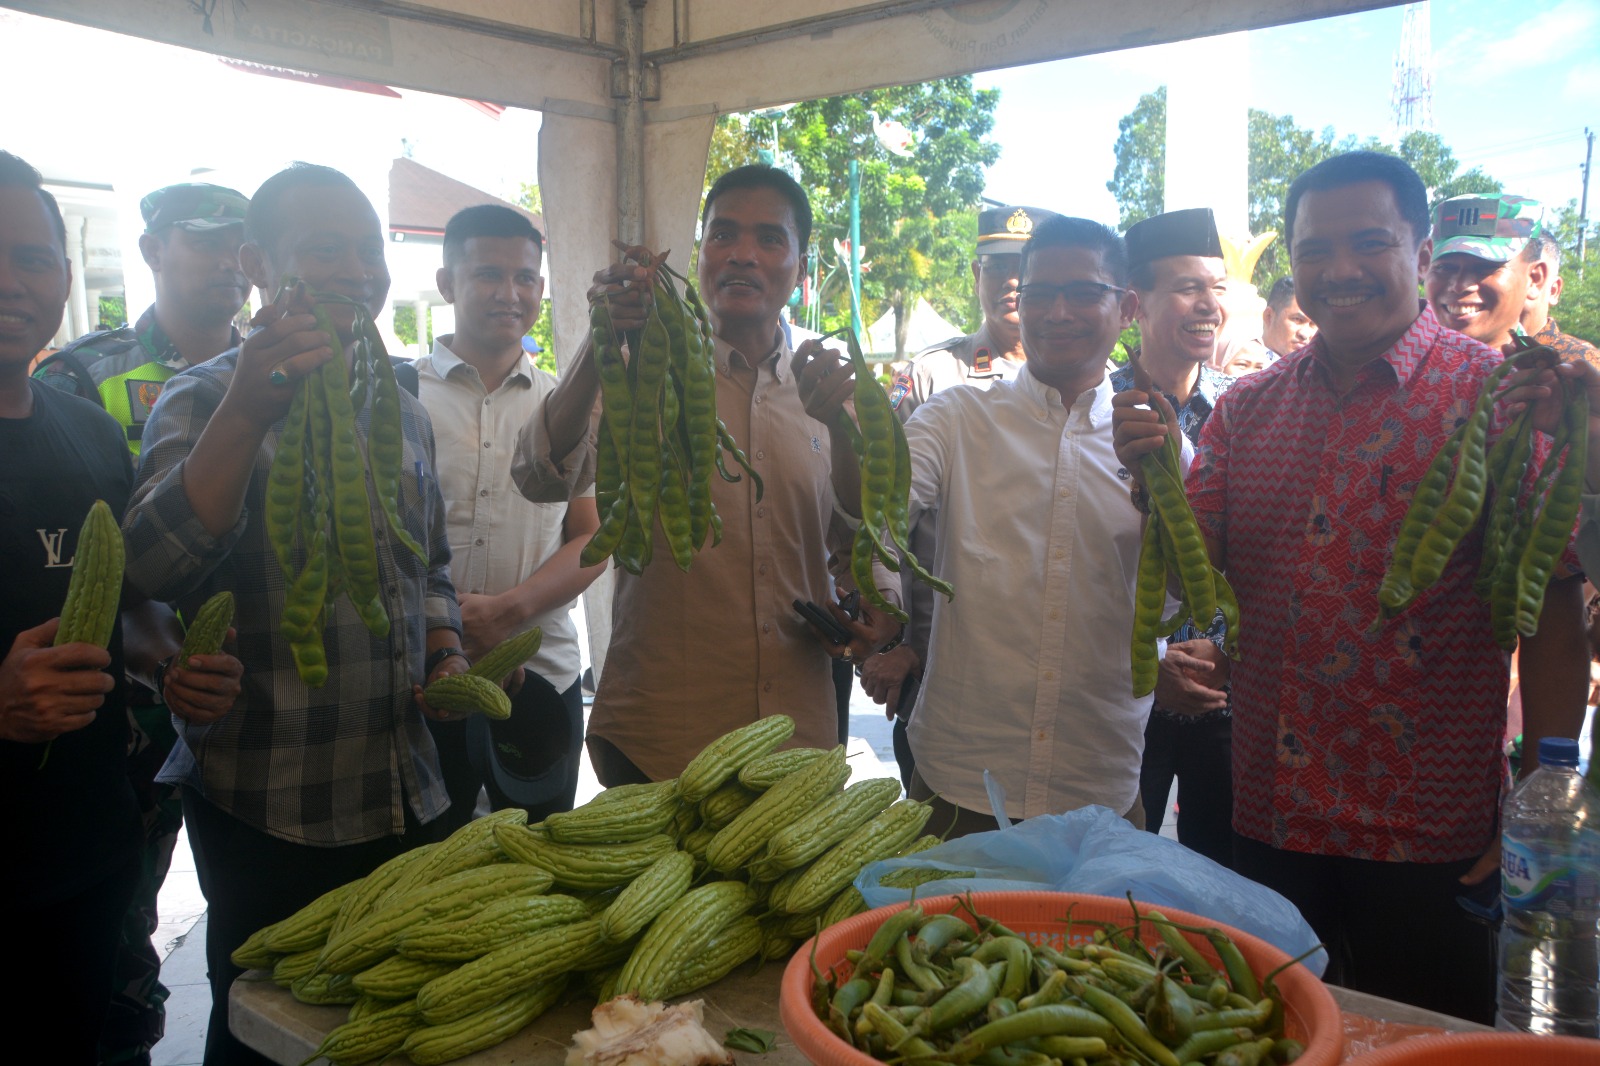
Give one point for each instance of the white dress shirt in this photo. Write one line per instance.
(497, 538)
(1029, 672)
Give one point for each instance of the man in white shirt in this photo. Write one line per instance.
(1028, 674)
(514, 562)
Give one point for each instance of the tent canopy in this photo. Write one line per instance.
(926, 328)
(625, 81)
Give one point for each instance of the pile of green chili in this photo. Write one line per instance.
(954, 988)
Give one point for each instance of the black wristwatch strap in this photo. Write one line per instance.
(158, 677)
(438, 657)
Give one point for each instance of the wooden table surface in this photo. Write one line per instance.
(270, 1020)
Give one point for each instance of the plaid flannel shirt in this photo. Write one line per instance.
(324, 766)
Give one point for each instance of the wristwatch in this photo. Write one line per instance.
(899, 639)
(158, 678)
(1140, 498)
(437, 657)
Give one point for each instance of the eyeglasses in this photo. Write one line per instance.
(1078, 294)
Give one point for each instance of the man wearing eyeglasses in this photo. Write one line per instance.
(1028, 666)
(1176, 268)
(994, 353)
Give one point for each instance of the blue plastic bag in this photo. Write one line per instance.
(1096, 851)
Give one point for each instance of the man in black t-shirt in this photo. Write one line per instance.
(70, 827)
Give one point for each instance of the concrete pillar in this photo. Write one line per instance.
(91, 300)
(1208, 130)
(420, 306)
(77, 321)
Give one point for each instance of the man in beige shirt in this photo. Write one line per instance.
(514, 563)
(696, 654)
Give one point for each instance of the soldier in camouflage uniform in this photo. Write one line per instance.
(1490, 268)
(191, 244)
(994, 353)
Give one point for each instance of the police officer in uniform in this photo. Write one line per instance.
(994, 353)
(191, 244)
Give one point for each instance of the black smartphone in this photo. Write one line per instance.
(823, 621)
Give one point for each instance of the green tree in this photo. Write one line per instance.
(1139, 182)
(917, 212)
(1578, 311)
(1279, 151)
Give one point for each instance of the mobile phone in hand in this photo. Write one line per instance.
(822, 620)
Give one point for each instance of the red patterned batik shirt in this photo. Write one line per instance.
(1372, 745)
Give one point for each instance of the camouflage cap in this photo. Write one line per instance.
(193, 205)
(1003, 230)
(1495, 227)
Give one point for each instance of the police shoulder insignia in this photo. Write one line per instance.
(899, 390)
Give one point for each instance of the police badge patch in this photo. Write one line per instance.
(898, 391)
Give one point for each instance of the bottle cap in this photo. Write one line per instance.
(1558, 751)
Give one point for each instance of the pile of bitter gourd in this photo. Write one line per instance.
(1521, 540)
(879, 441)
(651, 889)
(1173, 541)
(659, 438)
(317, 496)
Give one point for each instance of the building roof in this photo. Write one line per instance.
(421, 200)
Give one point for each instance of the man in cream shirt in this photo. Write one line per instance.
(514, 562)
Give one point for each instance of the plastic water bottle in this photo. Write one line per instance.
(1550, 888)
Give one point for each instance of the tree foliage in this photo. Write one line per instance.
(1139, 181)
(918, 214)
(1279, 151)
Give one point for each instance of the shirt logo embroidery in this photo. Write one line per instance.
(816, 445)
(53, 543)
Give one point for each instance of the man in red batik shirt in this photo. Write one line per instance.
(1366, 761)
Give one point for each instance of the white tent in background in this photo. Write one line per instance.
(927, 327)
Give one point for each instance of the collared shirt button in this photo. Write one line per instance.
(479, 542)
(761, 512)
(767, 687)
(761, 455)
(766, 627)
(483, 492)
(1060, 553)
(763, 568)
(760, 398)
(486, 444)
(399, 655)
(1049, 675)
(1055, 613)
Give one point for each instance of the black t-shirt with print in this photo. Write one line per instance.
(69, 813)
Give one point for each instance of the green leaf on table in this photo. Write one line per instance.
(757, 1041)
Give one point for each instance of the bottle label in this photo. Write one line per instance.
(1534, 877)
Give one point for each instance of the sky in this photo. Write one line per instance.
(1511, 94)
(1522, 126)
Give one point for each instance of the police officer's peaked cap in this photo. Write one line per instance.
(1003, 230)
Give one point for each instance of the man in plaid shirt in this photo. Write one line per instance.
(297, 790)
